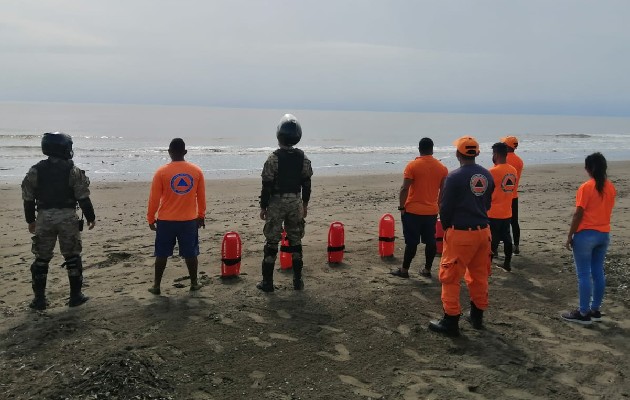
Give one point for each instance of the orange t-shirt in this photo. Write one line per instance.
(517, 163)
(178, 193)
(597, 208)
(505, 184)
(427, 174)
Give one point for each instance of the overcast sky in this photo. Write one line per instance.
(494, 56)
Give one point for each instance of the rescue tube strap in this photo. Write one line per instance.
(336, 248)
(231, 261)
(386, 239)
(291, 249)
(439, 239)
(286, 249)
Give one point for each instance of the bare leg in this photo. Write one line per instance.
(160, 266)
(192, 264)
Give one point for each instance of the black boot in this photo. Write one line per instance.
(39, 274)
(298, 283)
(266, 285)
(448, 325)
(475, 316)
(39, 290)
(76, 296)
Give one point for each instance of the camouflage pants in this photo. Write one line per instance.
(59, 222)
(285, 210)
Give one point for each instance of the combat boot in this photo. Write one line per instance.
(448, 325)
(39, 290)
(475, 316)
(266, 285)
(76, 296)
(298, 283)
(39, 275)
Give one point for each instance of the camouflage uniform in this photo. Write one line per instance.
(53, 223)
(284, 210)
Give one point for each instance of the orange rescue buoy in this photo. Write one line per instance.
(386, 236)
(439, 236)
(286, 257)
(336, 242)
(231, 255)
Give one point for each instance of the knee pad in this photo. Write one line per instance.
(270, 252)
(40, 267)
(74, 265)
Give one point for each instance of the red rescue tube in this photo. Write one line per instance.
(286, 257)
(386, 236)
(439, 236)
(231, 255)
(336, 241)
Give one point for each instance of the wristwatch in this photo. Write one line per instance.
(401, 208)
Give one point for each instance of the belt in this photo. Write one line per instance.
(286, 195)
(469, 228)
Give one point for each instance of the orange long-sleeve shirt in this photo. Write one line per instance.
(516, 162)
(178, 193)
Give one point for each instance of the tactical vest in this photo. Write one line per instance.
(53, 185)
(290, 164)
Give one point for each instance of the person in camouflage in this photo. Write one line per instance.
(286, 190)
(50, 191)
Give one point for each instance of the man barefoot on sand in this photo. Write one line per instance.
(178, 198)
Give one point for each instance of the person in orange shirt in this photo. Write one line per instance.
(423, 180)
(176, 211)
(500, 212)
(589, 236)
(516, 162)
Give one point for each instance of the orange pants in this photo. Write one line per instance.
(466, 254)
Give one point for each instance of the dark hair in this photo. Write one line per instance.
(177, 146)
(500, 148)
(425, 145)
(595, 164)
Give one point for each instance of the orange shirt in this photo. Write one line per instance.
(427, 174)
(597, 208)
(505, 183)
(178, 193)
(517, 163)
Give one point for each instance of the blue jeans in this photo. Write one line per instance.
(589, 251)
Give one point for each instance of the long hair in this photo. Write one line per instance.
(596, 166)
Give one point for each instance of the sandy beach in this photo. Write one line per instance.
(354, 332)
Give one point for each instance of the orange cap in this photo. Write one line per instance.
(467, 145)
(511, 141)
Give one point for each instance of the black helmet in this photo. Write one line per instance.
(57, 144)
(289, 131)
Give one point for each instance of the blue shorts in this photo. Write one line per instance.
(186, 233)
(417, 228)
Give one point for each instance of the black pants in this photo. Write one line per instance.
(516, 229)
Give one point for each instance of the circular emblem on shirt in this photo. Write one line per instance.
(182, 183)
(478, 184)
(508, 184)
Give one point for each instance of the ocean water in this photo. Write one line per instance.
(128, 142)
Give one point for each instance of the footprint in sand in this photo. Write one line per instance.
(257, 377)
(416, 357)
(419, 295)
(375, 314)
(257, 318)
(403, 330)
(259, 342)
(544, 331)
(331, 329)
(360, 388)
(342, 353)
(283, 314)
(215, 345)
(282, 337)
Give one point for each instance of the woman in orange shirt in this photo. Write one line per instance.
(589, 236)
